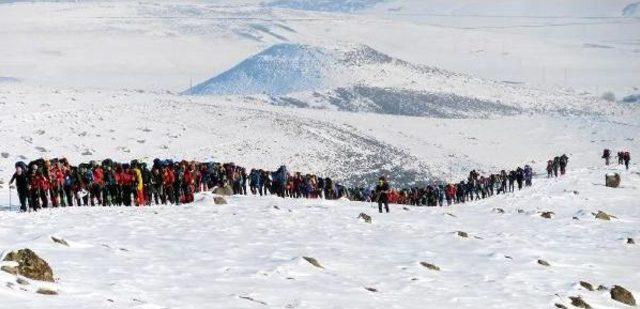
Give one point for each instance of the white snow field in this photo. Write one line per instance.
(249, 253)
(418, 90)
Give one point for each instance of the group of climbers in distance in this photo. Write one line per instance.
(56, 183)
(624, 157)
(557, 164)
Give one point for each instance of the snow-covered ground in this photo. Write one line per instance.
(495, 84)
(249, 253)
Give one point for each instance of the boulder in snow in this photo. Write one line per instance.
(547, 214)
(612, 181)
(219, 200)
(577, 301)
(586, 285)
(312, 261)
(45, 291)
(602, 215)
(543, 263)
(365, 217)
(463, 234)
(226, 191)
(30, 265)
(630, 241)
(622, 295)
(60, 241)
(430, 266)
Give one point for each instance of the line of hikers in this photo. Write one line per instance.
(476, 187)
(558, 163)
(624, 157)
(53, 183)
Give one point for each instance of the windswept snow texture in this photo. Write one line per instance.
(348, 6)
(280, 69)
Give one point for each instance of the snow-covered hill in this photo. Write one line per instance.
(362, 79)
(246, 253)
(163, 45)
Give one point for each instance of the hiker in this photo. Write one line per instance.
(528, 175)
(549, 168)
(564, 160)
(606, 155)
(22, 184)
(627, 159)
(382, 193)
(620, 157)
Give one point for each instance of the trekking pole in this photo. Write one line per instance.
(10, 204)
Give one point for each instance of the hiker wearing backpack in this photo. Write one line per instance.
(549, 168)
(22, 185)
(564, 160)
(627, 159)
(620, 157)
(519, 177)
(556, 166)
(606, 155)
(528, 175)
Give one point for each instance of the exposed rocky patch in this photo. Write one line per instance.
(622, 295)
(430, 266)
(577, 301)
(365, 217)
(30, 265)
(313, 261)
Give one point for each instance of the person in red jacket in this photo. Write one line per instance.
(39, 187)
(127, 181)
(450, 193)
(98, 185)
(169, 179)
(189, 186)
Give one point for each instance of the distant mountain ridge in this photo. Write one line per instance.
(359, 78)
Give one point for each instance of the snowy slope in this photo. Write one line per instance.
(245, 254)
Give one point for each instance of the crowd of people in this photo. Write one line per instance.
(56, 183)
(624, 157)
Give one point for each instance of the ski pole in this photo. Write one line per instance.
(10, 204)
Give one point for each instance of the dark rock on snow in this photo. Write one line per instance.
(543, 263)
(622, 295)
(586, 285)
(365, 217)
(577, 301)
(547, 214)
(60, 241)
(602, 215)
(45, 291)
(312, 261)
(30, 265)
(430, 266)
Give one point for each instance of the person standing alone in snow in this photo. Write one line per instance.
(382, 191)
